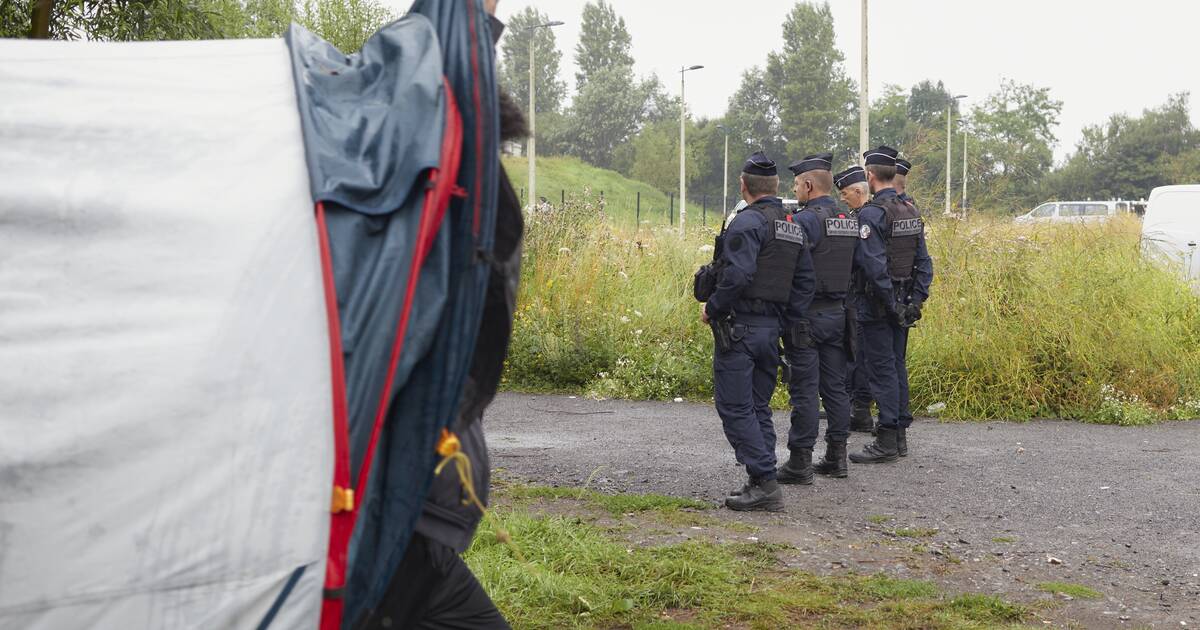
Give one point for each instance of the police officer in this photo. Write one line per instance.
(900, 182)
(815, 346)
(763, 272)
(893, 273)
(852, 185)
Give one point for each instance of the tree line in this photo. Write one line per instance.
(344, 23)
(801, 100)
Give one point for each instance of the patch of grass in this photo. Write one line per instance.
(1078, 591)
(878, 519)
(1004, 539)
(616, 504)
(1051, 321)
(914, 532)
(578, 576)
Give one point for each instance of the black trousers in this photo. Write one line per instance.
(433, 589)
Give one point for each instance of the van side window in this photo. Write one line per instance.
(1044, 210)
(1095, 210)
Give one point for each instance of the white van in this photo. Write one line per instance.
(1171, 228)
(1075, 211)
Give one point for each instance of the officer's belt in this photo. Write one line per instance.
(825, 304)
(751, 319)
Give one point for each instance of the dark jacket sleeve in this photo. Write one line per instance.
(870, 257)
(804, 284)
(742, 242)
(922, 273)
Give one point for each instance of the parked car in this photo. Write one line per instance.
(1171, 228)
(1076, 211)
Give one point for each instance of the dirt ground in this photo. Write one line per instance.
(983, 507)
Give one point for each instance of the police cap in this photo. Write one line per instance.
(759, 164)
(814, 162)
(852, 175)
(882, 155)
(903, 166)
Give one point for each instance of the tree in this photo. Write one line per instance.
(753, 117)
(345, 24)
(816, 99)
(514, 75)
(604, 43)
(927, 104)
(889, 118)
(1128, 156)
(606, 113)
(1013, 132)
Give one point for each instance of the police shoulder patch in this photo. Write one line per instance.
(864, 231)
(788, 231)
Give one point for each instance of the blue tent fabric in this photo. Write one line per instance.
(373, 126)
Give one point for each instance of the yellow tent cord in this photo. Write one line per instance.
(450, 448)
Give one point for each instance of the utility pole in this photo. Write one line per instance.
(949, 142)
(40, 26)
(864, 105)
(964, 199)
(683, 150)
(725, 178)
(532, 144)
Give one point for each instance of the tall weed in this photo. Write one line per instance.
(1053, 321)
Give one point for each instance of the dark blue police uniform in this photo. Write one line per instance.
(857, 386)
(894, 270)
(765, 270)
(815, 347)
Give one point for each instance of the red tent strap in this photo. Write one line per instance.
(442, 186)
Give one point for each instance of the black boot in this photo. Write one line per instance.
(740, 491)
(902, 443)
(798, 469)
(764, 496)
(860, 417)
(833, 464)
(882, 450)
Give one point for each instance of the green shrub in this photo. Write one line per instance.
(1051, 321)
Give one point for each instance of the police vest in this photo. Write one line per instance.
(833, 258)
(906, 229)
(778, 256)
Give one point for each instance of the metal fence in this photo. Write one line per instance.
(638, 210)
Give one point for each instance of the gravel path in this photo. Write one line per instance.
(1013, 505)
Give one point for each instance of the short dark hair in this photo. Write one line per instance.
(822, 181)
(759, 185)
(882, 173)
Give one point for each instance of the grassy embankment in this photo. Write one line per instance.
(586, 570)
(1023, 323)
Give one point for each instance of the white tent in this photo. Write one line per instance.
(165, 435)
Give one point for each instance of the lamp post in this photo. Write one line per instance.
(725, 178)
(964, 199)
(864, 106)
(533, 116)
(949, 137)
(682, 151)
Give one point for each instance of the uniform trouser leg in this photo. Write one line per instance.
(880, 351)
(828, 333)
(743, 381)
(857, 382)
(900, 350)
(802, 393)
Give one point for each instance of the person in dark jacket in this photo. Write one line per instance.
(893, 276)
(765, 278)
(433, 588)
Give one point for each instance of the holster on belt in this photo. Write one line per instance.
(722, 334)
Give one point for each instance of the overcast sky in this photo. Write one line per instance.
(1098, 57)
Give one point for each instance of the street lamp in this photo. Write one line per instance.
(533, 116)
(949, 137)
(682, 152)
(964, 201)
(725, 179)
